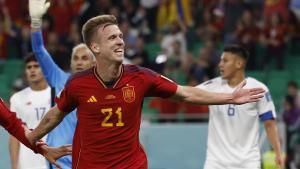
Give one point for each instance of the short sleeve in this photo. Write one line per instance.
(14, 106)
(66, 100)
(205, 85)
(160, 86)
(266, 108)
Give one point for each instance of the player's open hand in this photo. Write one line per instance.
(280, 162)
(54, 153)
(37, 8)
(241, 95)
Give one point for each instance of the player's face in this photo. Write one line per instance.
(81, 60)
(228, 65)
(111, 43)
(33, 72)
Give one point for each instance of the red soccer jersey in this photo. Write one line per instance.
(14, 126)
(107, 134)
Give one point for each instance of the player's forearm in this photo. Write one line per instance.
(14, 147)
(198, 96)
(52, 118)
(272, 134)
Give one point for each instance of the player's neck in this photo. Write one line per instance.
(109, 72)
(236, 79)
(37, 86)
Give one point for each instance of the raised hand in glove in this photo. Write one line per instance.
(37, 8)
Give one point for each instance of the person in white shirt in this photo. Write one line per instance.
(30, 104)
(233, 130)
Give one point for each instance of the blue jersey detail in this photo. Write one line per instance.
(268, 96)
(267, 116)
(56, 77)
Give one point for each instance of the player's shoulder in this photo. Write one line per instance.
(20, 94)
(80, 75)
(130, 69)
(252, 82)
(213, 82)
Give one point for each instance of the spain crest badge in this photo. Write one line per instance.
(128, 94)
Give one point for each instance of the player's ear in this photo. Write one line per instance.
(95, 47)
(240, 63)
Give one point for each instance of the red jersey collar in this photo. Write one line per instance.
(102, 82)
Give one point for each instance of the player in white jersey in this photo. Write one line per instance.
(233, 130)
(30, 104)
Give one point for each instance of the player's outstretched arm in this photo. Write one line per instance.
(52, 73)
(15, 127)
(52, 118)
(272, 134)
(198, 96)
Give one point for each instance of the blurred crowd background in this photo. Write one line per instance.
(182, 39)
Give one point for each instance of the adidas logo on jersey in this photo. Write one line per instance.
(92, 99)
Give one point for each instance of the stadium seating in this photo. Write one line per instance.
(153, 50)
(10, 71)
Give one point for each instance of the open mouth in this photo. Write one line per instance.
(79, 69)
(119, 51)
(33, 76)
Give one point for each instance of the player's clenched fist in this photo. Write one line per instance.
(37, 8)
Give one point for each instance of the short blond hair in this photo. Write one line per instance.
(90, 28)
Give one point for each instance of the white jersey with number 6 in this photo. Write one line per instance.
(233, 131)
(31, 106)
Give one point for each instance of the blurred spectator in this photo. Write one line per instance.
(291, 113)
(139, 56)
(293, 29)
(247, 34)
(177, 33)
(276, 6)
(128, 11)
(61, 11)
(171, 11)
(151, 7)
(74, 37)
(4, 33)
(292, 90)
(17, 9)
(274, 39)
(76, 6)
(94, 8)
(233, 10)
(205, 66)
(291, 118)
(129, 34)
(58, 51)
(212, 26)
(140, 22)
(295, 163)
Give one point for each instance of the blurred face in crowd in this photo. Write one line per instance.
(110, 43)
(82, 59)
(292, 90)
(230, 64)
(33, 72)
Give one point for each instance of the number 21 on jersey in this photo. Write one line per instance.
(108, 112)
(231, 110)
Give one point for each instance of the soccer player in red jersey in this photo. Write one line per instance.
(109, 99)
(15, 127)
